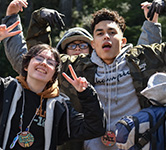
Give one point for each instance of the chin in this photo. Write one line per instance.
(41, 79)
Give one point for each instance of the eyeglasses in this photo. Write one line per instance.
(80, 45)
(49, 61)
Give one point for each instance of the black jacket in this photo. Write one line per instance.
(86, 125)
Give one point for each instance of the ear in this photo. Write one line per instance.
(25, 69)
(124, 41)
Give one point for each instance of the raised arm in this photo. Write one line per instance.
(15, 46)
(92, 123)
(151, 29)
(42, 20)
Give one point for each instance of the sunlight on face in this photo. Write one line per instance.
(41, 70)
(108, 40)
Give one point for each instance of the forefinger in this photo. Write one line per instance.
(72, 72)
(13, 26)
(14, 33)
(67, 78)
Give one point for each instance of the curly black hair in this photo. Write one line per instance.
(105, 14)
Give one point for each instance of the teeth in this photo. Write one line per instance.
(41, 70)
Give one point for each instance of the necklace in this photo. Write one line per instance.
(24, 138)
(109, 138)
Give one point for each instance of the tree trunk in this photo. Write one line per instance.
(79, 5)
(66, 8)
(28, 12)
(3, 7)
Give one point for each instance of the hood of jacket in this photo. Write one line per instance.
(99, 62)
(110, 81)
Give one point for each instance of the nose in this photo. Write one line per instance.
(44, 62)
(77, 48)
(106, 36)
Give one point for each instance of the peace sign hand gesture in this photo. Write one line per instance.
(80, 84)
(6, 31)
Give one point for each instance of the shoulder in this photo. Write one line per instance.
(61, 99)
(154, 48)
(6, 81)
(151, 46)
(83, 57)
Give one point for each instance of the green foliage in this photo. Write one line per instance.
(132, 34)
(6, 69)
(162, 20)
(52, 4)
(129, 9)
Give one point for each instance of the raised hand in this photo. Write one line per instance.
(5, 32)
(157, 6)
(15, 6)
(53, 17)
(145, 7)
(80, 84)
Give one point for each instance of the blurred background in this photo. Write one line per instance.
(78, 13)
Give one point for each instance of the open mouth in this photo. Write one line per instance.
(107, 45)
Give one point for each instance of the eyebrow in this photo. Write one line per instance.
(98, 30)
(49, 58)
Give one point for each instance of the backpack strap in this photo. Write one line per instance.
(146, 136)
(136, 123)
